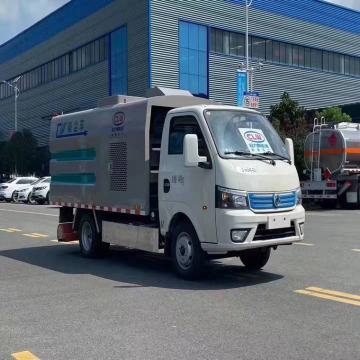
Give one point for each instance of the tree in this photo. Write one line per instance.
(335, 115)
(20, 153)
(288, 118)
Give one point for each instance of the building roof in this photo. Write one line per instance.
(313, 11)
(69, 14)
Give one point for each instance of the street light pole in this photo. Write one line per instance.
(247, 5)
(13, 84)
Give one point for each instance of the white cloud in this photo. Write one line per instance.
(17, 15)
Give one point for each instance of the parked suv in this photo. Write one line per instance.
(41, 191)
(8, 189)
(25, 194)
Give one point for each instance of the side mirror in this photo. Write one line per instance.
(191, 151)
(290, 149)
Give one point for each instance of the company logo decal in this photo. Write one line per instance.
(254, 136)
(277, 200)
(71, 128)
(118, 123)
(332, 140)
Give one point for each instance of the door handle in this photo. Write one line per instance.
(166, 186)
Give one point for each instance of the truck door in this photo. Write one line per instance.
(188, 190)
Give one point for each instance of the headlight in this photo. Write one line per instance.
(41, 188)
(298, 197)
(230, 199)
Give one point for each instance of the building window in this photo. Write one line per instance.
(193, 58)
(76, 60)
(118, 61)
(257, 48)
(233, 43)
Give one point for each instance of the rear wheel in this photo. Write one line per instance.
(255, 259)
(48, 198)
(186, 253)
(90, 240)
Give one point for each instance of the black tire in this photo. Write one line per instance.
(329, 203)
(30, 200)
(48, 198)
(186, 253)
(7, 200)
(13, 197)
(89, 240)
(255, 259)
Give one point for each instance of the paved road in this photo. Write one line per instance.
(58, 306)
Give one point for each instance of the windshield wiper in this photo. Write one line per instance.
(241, 153)
(278, 155)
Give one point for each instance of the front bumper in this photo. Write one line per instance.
(22, 196)
(228, 220)
(39, 195)
(5, 195)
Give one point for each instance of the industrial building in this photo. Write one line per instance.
(88, 50)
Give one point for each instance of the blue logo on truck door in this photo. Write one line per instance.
(71, 128)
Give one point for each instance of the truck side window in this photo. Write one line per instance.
(179, 127)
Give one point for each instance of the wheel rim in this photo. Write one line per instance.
(86, 236)
(184, 250)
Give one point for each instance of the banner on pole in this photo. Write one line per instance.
(241, 86)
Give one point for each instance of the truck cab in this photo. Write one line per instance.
(226, 176)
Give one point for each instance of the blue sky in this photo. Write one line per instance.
(17, 15)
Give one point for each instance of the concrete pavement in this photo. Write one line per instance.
(57, 305)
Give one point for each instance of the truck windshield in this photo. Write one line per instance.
(240, 133)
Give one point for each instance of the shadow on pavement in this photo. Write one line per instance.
(137, 268)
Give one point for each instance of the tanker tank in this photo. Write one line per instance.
(339, 148)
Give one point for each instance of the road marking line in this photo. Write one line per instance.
(303, 243)
(356, 250)
(15, 230)
(31, 235)
(40, 235)
(327, 296)
(74, 242)
(335, 293)
(24, 355)
(28, 212)
(7, 230)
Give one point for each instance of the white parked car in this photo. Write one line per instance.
(8, 189)
(41, 192)
(25, 194)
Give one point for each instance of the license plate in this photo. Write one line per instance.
(278, 222)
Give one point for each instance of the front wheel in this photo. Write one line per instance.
(31, 200)
(186, 253)
(255, 259)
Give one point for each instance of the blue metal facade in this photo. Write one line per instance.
(68, 15)
(313, 11)
(119, 62)
(193, 58)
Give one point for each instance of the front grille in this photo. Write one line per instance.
(265, 202)
(266, 234)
